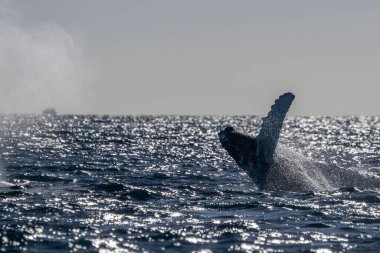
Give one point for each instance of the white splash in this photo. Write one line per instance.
(4, 184)
(295, 172)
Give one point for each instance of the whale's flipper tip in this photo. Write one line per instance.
(282, 103)
(288, 94)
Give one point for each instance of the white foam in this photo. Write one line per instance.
(4, 184)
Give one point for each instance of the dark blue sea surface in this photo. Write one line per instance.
(165, 184)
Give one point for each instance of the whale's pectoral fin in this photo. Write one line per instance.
(270, 128)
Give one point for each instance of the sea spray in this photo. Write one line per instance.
(295, 172)
(41, 65)
(292, 171)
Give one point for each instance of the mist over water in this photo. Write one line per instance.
(41, 66)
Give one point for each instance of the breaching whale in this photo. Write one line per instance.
(285, 169)
(255, 155)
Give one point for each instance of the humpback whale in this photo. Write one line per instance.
(255, 155)
(279, 168)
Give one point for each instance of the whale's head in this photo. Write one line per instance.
(228, 141)
(241, 147)
(225, 135)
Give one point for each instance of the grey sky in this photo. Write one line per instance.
(207, 57)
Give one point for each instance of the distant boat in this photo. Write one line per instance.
(49, 112)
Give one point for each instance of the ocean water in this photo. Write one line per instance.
(165, 184)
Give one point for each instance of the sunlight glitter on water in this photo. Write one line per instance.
(135, 184)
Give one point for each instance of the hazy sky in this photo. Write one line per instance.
(190, 57)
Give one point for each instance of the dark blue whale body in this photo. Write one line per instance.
(255, 154)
